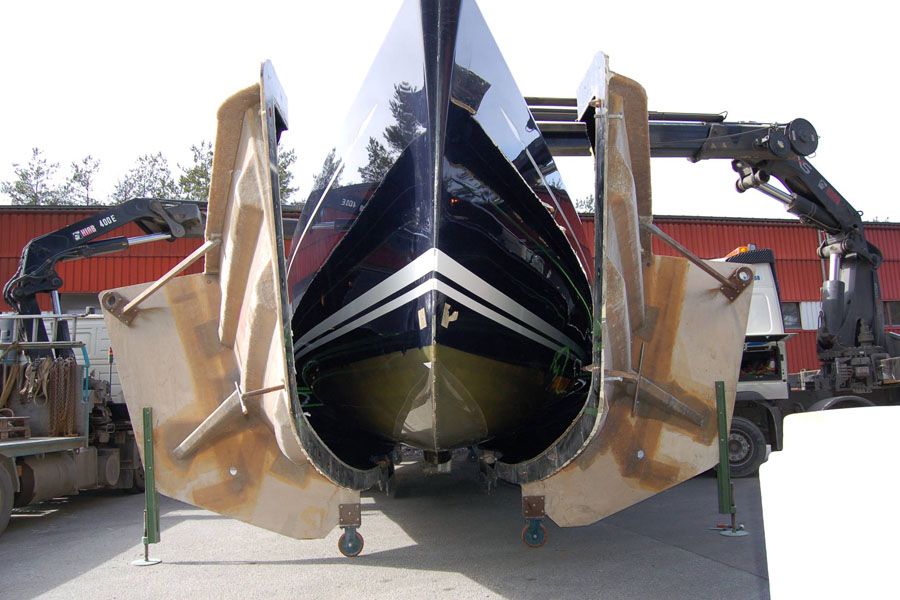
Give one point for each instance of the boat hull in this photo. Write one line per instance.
(440, 289)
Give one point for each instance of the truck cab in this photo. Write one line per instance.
(763, 380)
(763, 372)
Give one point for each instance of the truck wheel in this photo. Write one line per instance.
(6, 498)
(841, 402)
(746, 447)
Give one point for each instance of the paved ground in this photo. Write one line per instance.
(439, 536)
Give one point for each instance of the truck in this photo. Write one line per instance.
(763, 392)
(859, 361)
(63, 427)
(767, 391)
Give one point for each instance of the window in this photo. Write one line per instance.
(790, 312)
(892, 313)
(76, 303)
(809, 315)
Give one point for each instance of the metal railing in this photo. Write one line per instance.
(31, 323)
(14, 341)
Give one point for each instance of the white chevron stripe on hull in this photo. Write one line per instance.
(434, 262)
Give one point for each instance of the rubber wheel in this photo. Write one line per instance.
(534, 537)
(6, 498)
(837, 402)
(348, 548)
(746, 447)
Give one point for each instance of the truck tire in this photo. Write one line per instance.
(746, 447)
(840, 402)
(6, 498)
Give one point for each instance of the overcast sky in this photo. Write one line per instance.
(120, 79)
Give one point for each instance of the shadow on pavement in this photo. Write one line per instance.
(660, 548)
(441, 523)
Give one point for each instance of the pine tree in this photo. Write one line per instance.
(194, 180)
(150, 177)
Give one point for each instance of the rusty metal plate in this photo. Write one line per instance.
(349, 515)
(533, 507)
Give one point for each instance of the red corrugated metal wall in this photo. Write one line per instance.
(799, 272)
(146, 262)
(136, 265)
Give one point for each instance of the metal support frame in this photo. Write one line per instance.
(534, 535)
(151, 498)
(723, 473)
(228, 413)
(731, 286)
(25, 324)
(127, 311)
(349, 519)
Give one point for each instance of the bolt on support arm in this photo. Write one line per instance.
(731, 287)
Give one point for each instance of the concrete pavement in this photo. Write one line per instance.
(439, 536)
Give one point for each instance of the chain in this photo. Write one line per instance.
(61, 397)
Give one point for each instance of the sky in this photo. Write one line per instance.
(121, 79)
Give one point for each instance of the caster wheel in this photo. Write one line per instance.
(534, 535)
(351, 543)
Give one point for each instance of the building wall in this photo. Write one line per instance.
(85, 279)
(799, 272)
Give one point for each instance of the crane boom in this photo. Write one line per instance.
(851, 340)
(158, 219)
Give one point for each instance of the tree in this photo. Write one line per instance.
(194, 181)
(328, 170)
(80, 185)
(34, 185)
(286, 160)
(406, 127)
(36, 182)
(150, 177)
(584, 205)
(380, 161)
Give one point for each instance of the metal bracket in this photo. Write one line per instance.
(349, 515)
(125, 311)
(655, 395)
(221, 420)
(739, 279)
(732, 286)
(533, 507)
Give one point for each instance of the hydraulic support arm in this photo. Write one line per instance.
(851, 338)
(158, 219)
